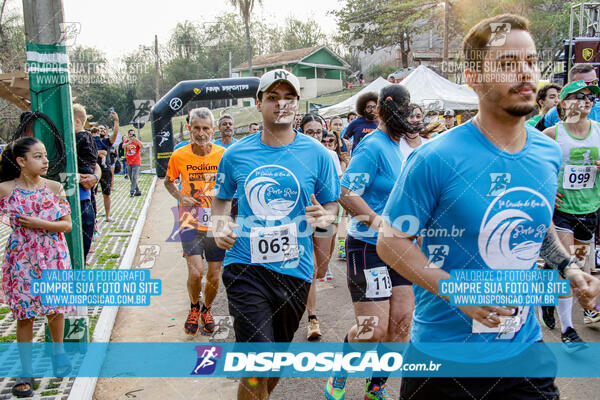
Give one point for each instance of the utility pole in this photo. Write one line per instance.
(156, 71)
(48, 68)
(446, 21)
(50, 92)
(229, 76)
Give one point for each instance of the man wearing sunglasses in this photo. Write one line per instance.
(578, 197)
(579, 72)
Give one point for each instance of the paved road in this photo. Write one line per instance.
(163, 321)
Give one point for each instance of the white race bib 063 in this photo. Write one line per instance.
(379, 283)
(579, 176)
(273, 244)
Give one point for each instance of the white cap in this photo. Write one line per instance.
(278, 75)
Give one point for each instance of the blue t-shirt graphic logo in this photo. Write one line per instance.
(507, 237)
(272, 192)
(499, 183)
(438, 254)
(358, 182)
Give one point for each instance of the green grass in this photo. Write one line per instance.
(4, 310)
(93, 321)
(49, 393)
(8, 338)
(245, 115)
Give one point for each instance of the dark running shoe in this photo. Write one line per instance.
(207, 321)
(547, 316)
(572, 341)
(191, 324)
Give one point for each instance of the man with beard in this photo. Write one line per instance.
(285, 182)
(367, 122)
(226, 129)
(490, 170)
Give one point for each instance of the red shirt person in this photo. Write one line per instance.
(133, 147)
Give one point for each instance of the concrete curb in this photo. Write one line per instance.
(83, 387)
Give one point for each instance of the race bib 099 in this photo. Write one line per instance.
(579, 177)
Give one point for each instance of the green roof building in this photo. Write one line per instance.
(318, 68)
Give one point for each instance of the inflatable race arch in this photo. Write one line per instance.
(184, 92)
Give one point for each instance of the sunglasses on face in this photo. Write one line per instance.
(592, 82)
(328, 141)
(582, 96)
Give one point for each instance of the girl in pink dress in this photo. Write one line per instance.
(39, 214)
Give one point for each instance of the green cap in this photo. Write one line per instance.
(576, 86)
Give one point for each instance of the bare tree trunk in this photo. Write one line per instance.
(2, 10)
(248, 44)
(404, 50)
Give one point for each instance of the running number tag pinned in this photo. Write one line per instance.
(204, 217)
(508, 327)
(273, 244)
(379, 283)
(579, 177)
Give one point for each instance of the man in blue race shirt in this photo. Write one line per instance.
(492, 184)
(226, 129)
(579, 72)
(367, 122)
(286, 184)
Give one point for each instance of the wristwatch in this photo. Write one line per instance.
(562, 267)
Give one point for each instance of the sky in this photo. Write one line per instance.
(118, 27)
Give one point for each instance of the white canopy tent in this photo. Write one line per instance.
(349, 104)
(426, 88)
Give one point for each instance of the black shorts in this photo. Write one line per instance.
(197, 242)
(362, 261)
(423, 388)
(582, 226)
(106, 181)
(266, 306)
